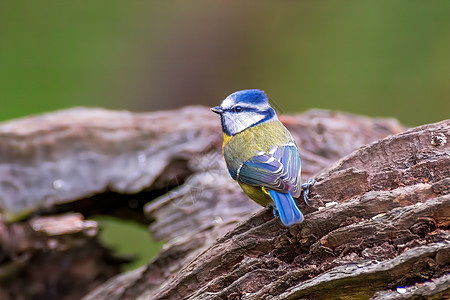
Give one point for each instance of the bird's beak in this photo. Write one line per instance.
(217, 109)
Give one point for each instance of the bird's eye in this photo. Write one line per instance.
(237, 108)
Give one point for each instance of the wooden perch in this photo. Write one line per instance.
(378, 220)
(400, 218)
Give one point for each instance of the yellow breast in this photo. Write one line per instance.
(241, 147)
(263, 137)
(226, 139)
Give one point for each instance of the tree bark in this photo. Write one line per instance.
(377, 225)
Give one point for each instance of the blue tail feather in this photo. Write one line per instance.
(287, 208)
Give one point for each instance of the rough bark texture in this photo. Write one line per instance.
(56, 257)
(378, 220)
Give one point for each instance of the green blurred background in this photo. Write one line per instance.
(379, 58)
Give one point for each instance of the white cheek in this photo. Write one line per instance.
(239, 122)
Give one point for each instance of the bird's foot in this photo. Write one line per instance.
(274, 212)
(305, 187)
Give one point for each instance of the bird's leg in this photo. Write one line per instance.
(305, 187)
(274, 212)
(274, 209)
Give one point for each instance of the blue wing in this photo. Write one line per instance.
(277, 170)
(232, 173)
(287, 208)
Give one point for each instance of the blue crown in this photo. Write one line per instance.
(250, 96)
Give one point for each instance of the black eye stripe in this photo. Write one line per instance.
(238, 108)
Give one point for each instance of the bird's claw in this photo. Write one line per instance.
(305, 187)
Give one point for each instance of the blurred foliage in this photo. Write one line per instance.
(379, 58)
(128, 238)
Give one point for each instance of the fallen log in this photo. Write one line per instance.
(381, 223)
(381, 210)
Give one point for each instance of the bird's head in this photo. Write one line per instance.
(244, 109)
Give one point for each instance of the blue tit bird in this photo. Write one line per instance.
(261, 154)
